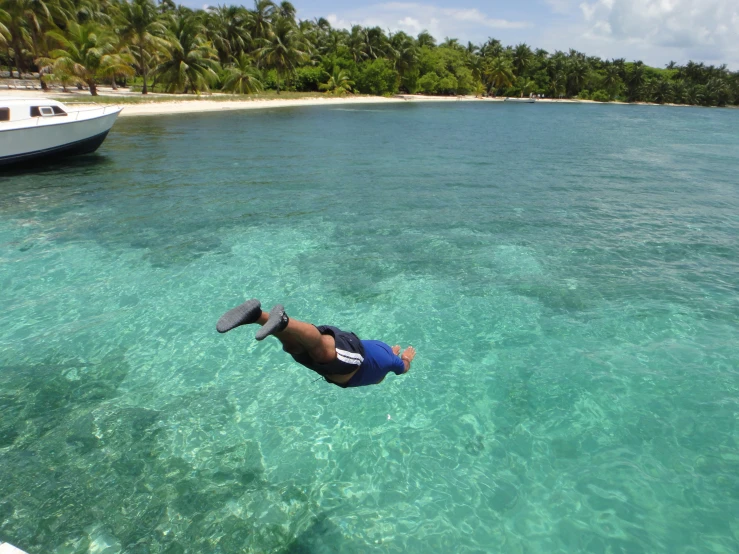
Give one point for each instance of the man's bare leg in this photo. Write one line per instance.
(289, 345)
(296, 336)
(290, 331)
(251, 312)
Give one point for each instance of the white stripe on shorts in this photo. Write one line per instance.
(349, 357)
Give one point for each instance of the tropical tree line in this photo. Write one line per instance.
(172, 48)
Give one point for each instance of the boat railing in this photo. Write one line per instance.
(104, 108)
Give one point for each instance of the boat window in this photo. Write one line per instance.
(46, 111)
(4, 114)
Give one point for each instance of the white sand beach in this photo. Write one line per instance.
(193, 106)
(163, 104)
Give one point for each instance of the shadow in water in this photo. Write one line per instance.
(74, 163)
(322, 537)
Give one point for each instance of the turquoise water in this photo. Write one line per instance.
(568, 274)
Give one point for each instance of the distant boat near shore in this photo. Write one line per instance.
(520, 100)
(39, 129)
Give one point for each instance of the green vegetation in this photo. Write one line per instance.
(169, 48)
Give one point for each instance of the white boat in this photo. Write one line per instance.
(40, 129)
(520, 100)
(7, 548)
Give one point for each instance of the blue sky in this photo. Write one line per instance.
(655, 31)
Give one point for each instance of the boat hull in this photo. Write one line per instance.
(50, 142)
(78, 148)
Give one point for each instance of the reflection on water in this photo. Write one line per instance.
(88, 164)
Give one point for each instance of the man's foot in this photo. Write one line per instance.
(396, 350)
(407, 356)
(277, 322)
(247, 313)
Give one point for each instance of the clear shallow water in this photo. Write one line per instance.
(568, 274)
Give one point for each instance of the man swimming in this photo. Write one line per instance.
(338, 356)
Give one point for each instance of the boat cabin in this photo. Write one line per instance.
(18, 109)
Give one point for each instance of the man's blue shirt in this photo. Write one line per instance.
(379, 358)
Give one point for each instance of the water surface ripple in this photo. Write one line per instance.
(568, 274)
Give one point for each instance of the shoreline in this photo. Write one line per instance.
(183, 104)
(207, 106)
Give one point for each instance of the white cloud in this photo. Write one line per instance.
(561, 6)
(412, 17)
(700, 26)
(654, 31)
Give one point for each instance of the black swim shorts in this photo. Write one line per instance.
(349, 353)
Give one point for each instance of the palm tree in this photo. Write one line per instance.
(228, 31)
(663, 92)
(492, 48)
(476, 64)
(635, 79)
(261, 19)
(83, 11)
(25, 23)
(4, 31)
(425, 39)
(191, 61)
(734, 89)
(452, 43)
(323, 24)
(522, 58)
(338, 83)
(357, 44)
(559, 84)
(498, 73)
(612, 80)
(527, 86)
(141, 27)
(86, 51)
(330, 45)
(620, 65)
(406, 53)
(648, 90)
(678, 91)
(717, 92)
(284, 49)
(286, 10)
(318, 33)
(119, 63)
(577, 72)
(166, 6)
(376, 43)
(694, 71)
(242, 77)
(694, 94)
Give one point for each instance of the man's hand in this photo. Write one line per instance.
(407, 357)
